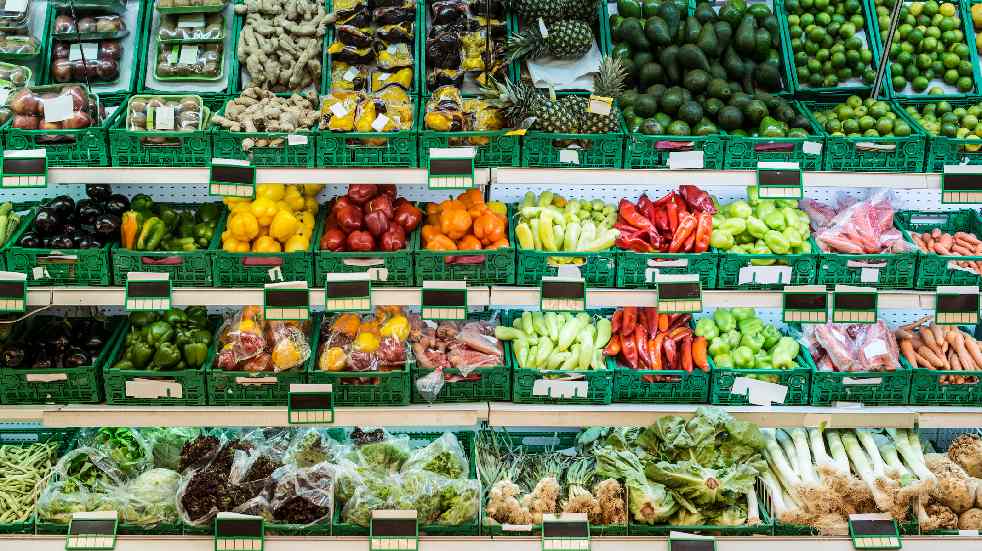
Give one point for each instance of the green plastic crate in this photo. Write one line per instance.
(253, 269)
(62, 267)
(743, 153)
(25, 211)
(228, 145)
(191, 381)
(798, 381)
(186, 269)
(887, 388)
(852, 154)
(418, 439)
(536, 442)
(638, 270)
(77, 385)
(973, 57)
(486, 267)
(493, 148)
(30, 435)
(927, 389)
(83, 147)
(644, 151)
(600, 383)
(933, 269)
(598, 269)
(182, 149)
(397, 265)
(361, 388)
(549, 150)
(673, 386)
(803, 269)
(347, 149)
(765, 527)
(893, 270)
(941, 150)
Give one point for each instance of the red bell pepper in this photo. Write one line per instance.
(634, 243)
(680, 203)
(629, 321)
(697, 199)
(630, 213)
(640, 338)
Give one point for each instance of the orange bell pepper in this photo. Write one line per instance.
(430, 231)
(441, 243)
(451, 204)
(489, 228)
(432, 209)
(471, 198)
(499, 244)
(455, 223)
(477, 211)
(469, 243)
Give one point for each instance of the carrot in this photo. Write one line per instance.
(938, 248)
(931, 357)
(936, 233)
(964, 358)
(967, 237)
(958, 249)
(956, 364)
(975, 352)
(907, 349)
(699, 345)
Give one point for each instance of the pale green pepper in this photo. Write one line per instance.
(739, 209)
(756, 227)
(751, 326)
(721, 239)
(776, 242)
(718, 346)
(753, 196)
(784, 353)
(771, 336)
(706, 327)
(753, 341)
(764, 208)
(792, 235)
(724, 319)
(735, 226)
(743, 357)
(743, 313)
(790, 216)
(733, 338)
(775, 220)
(723, 361)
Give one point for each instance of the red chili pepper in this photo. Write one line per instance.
(697, 199)
(671, 354)
(679, 320)
(704, 231)
(687, 226)
(640, 338)
(680, 203)
(629, 321)
(661, 221)
(663, 322)
(652, 321)
(673, 216)
(634, 243)
(687, 353)
(630, 352)
(664, 200)
(644, 202)
(615, 322)
(613, 346)
(630, 213)
(655, 348)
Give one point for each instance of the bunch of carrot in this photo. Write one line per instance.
(927, 345)
(646, 340)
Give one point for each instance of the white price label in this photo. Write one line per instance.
(189, 55)
(191, 21)
(58, 109)
(163, 118)
(350, 74)
(88, 51)
(379, 123)
(296, 139)
(569, 156)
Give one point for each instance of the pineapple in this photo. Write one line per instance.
(532, 10)
(566, 39)
(609, 82)
(584, 10)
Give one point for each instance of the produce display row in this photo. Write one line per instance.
(708, 474)
(392, 357)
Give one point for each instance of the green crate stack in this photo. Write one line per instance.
(671, 386)
(26, 436)
(927, 387)
(870, 154)
(870, 388)
(181, 149)
(485, 267)
(598, 269)
(253, 269)
(186, 268)
(76, 385)
(549, 150)
(398, 265)
(743, 153)
(933, 269)
(798, 381)
(418, 439)
(962, 11)
(82, 147)
(384, 388)
(492, 148)
(942, 150)
(192, 385)
(892, 270)
(537, 442)
(638, 270)
(61, 267)
(493, 383)
(853, 86)
(229, 145)
(803, 269)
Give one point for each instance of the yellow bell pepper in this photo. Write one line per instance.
(262, 208)
(231, 245)
(284, 225)
(310, 205)
(266, 244)
(498, 208)
(366, 342)
(297, 243)
(293, 199)
(397, 327)
(306, 219)
(243, 226)
(273, 192)
(333, 359)
(311, 190)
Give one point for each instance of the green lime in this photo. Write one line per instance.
(850, 126)
(920, 83)
(970, 121)
(884, 126)
(866, 122)
(950, 77)
(899, 83)
(901, 129)
(964, 84)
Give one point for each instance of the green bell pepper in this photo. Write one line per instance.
(793, 237)
(175, 315)
(724, 319)
(706, 327)
(790, 203)
(194, 354)
(765, 207)
(756, 227)
(181, 244)
(208, 213)
(743, 357)
(721, 239)
(784, 353)
(776, 242)
(203, 234)
(141, 202)
(152, 233)
(762, 360)
(160, 332)
(718, 346)
(169, 217)
(185, 225)
(771, 336)
(743, 313)
(166, 356)
(739, 209)
(753, 341)
(142, 319)
(197, 316)
(775, 220)
(200, 335)
(733, 337)
(723, 361)
(751, 326)
(124, 364)
(138, 354)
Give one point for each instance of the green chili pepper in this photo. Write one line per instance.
(150, 236)
(124, 364)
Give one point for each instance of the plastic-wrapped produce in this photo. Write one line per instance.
(177, 28)
(252, 343)
(165, 113)
(190, 62)
(86, 24)
(86, 61)
(372, 343)
(47, 108)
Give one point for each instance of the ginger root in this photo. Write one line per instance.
(259, 110)
(280, 43)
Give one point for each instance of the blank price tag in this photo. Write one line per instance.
(92, 530)
(348, 292)
(805, 304)
(13, 292)
(310, 404)
(450, 168)
(188, 55)
(147, 291)
(874, 531)
(565, 532)
(394, 530)
(58, 109)
(679, 293)
(569, 156)
(600, 105)
(779, 180)
(811, 148)
(26, 168)
(956, 305)
(680, 160)
(287, 301)
(759, 393)
(444, 300)
(236, 532)
(961, 184)
(88, 51)
(191, 21)
(232, 178)
(163, 117)
(296, 139)
(562, 294)
(690, 542)
(379, 123)
(854, 304)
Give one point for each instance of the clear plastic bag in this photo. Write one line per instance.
(443, 456)
(419, 490)
(126, 447)
(60, 500)
(87, 468)
(384, 455)
(303, 496)
(166, 444)
(172, 29)
(460, 502)
(149, 499)
(311, 446)
(863, 227)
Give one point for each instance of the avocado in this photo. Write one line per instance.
(652, 73)
(724, 33)
(696, 81)
(705, 128)
(642, 58)
(707, 41)
(762, 43)
(629, 8)
(716, 70)
(755, 111)
(650, 7)
(732, 11)
(801, 121)
(656, 90)
(691, 57)
(772, 128)
(670, 13)
(733, 64)
(770, 23)
(646, 106)
(671, 101)
(759, 11)
(768, 76)
(663, 119)
(639, 42)
(705, 13)
(740, 100)
(670, 62)
(730, 118)
(770, 100)
(743, 38)
(652, 127)
(656, 30)
(631, 69)
(628, 99)
(690, 112)
(679, 128)
(712, 106)
(748, 75)
(719, 89)
(632, 32)
(743, 134)
(692, 28)
(784, 113)
(622, 52)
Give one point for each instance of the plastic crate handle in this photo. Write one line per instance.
(669, 145)
(164, 261)
(56, 258)
(262, 261)
(363, 262)
(256, 380)
(774, 146)
(466, 259)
